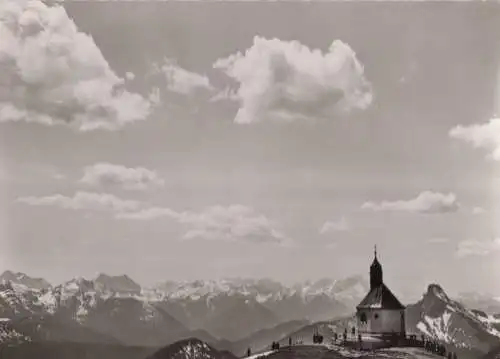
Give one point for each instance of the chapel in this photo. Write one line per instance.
(380, 314)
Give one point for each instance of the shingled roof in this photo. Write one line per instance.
(380, 297)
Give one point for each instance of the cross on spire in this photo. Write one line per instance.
(375, 250)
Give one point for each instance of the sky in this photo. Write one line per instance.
(185, 140)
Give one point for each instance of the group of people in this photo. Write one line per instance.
(439, 349)
(337, 336)
(431, 346)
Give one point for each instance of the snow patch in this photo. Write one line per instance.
(260, 355)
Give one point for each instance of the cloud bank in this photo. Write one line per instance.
(486, 136)
(286, 80)
(425, 202)
(232, 223)
(54, 74)
(105, 174)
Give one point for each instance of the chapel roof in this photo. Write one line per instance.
(380, 297)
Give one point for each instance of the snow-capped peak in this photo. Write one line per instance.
(211, 288)
(24, 280)
(262, 290)
(437, 291)
(118, 284)
(444, 319)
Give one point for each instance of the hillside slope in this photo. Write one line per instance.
(324, 352)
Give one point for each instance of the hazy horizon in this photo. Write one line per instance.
(184, 140)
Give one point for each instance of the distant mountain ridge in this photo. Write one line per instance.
(261, 289)
(481, 301)
(117, 307)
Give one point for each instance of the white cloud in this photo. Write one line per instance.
(182, 81)
(287, 80)
(130, 76)
(485, 136)
(231, 223)
(425, 202)
(138, 178)
(84, 201)
(54, 74)
(150, 214)
(234, 222)
(341, 225)
(474, 247)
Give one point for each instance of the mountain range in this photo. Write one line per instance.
(119, 308)
(230, 315)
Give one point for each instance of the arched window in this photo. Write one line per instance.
(363, 318)
(376, 316)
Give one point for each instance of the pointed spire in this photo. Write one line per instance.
(375, 271)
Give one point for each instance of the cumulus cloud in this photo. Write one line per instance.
(473, 247)
(287, 80)
(130, 76)
(425, 202)
(84, 201)
(138, 178)
(232, 223)
(54, 74)
(182, 81)
(341, 225)
(486, 136)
